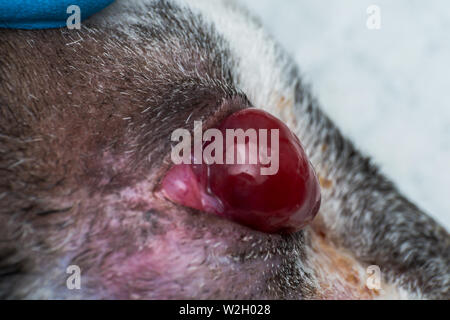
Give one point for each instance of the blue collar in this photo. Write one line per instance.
(43, 14)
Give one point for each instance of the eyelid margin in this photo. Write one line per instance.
(225, 109)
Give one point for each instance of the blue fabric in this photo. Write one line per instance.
(43, 14)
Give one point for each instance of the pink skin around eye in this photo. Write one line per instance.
(280, 202)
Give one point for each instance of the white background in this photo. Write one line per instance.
(388, 89)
